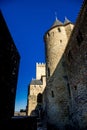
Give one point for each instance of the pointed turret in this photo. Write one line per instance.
(66, 21)
(57, 23)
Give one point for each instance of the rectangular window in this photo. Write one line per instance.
(48, 34)
(79, 38)
(52, 93)
(70, 56)
(48, 72)
(69, 89)
(59, 30)
(60, 41)
(75, 87)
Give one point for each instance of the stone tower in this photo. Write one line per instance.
(35, 90)
(56, 93)
(56, 39)
(40, 70)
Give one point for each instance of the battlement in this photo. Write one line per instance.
(40, 64)
(40, 70)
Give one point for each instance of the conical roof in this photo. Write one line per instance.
(66, 21)
(57, 22)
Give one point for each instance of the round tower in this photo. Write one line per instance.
(57, 87)
(56, 39)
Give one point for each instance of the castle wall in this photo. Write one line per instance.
(65, 94)
(56, 92)
(76, 57)
(32, 97)
(57, 102)
(36, 87)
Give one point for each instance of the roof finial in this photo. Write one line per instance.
(66, 20)
(56, 15)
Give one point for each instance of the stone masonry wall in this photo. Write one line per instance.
(32, 101)
(57, 98)
(40, 70)
(55, 43)
(76, 56)
(36, 87)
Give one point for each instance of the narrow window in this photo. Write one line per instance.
(60, 41)
(69, 89)
(59, 30)
(79, 38)
(48, 34)
(48, 72)
(75, 87)
(70, 56)
(52, 93)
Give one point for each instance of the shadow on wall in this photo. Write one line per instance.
(38, 111)
(65, 96)
(54, 100)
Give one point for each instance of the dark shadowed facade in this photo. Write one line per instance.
(9, 66)
(66, 73)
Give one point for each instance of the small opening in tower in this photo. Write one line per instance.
(70, 57)
(69, 89)
(79, 38)
(75, 87)
(48, 34)
(60, 41)
(48, 72)
(52, 93)
(59, 30)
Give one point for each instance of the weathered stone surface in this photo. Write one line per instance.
(66, 69)
(57, 102)
(76, 57)
(36, 87)
(65, 94)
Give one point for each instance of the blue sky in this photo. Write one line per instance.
(27, 21)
